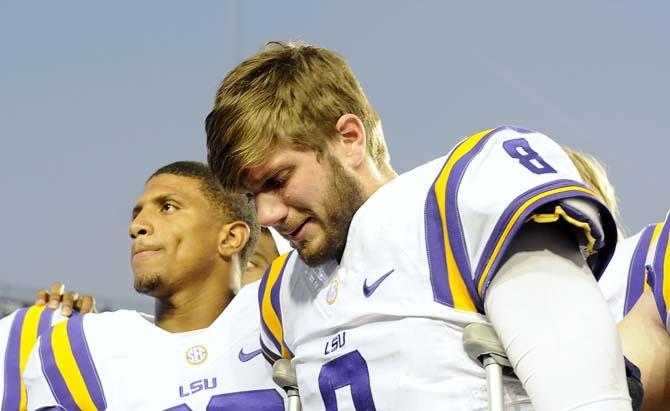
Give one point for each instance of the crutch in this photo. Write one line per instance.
(283, 374)
(481, 343)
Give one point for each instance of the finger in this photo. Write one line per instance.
(42, 297)
(56, 294)
(67, 304)
(85, 304)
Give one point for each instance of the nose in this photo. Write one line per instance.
(140, 226)
(270, 209)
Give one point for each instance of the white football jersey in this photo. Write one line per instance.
(121, 361)
(18, 334)
(382, 330)
(625, 278)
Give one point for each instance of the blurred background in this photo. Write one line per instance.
(95, 96)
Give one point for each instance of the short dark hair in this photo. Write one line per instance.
(228, 205)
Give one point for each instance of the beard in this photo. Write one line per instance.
(344, 196)
(147, 283)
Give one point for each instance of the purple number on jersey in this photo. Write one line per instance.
(349, 369)
(520, 149)
(257, 400)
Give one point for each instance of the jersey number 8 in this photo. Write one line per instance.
(520, 149)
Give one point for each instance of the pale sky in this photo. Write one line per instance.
(95, 96)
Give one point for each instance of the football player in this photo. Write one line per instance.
(190, 241)
(389, 269)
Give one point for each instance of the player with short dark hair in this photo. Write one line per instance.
(189, 243)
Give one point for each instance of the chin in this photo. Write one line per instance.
(317, 254)
(148, 283)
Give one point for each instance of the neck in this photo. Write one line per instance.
(194, 307)
(378, 178)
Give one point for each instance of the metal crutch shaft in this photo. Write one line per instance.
(481, 343)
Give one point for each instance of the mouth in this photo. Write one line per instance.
(145, 252)
(299, 233)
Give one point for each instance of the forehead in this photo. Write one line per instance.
(280, 158)
(170, 184)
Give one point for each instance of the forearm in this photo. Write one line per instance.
(555, 325)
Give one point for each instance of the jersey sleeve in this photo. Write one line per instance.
(63, 363)
(489, 186)
(20, 332)
(659, 278)
(272, 340)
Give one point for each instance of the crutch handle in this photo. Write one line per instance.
(283, 374)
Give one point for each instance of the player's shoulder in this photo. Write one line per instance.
(484, 155)
(105, 333)
(29, 322)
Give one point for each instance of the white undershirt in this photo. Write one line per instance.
(554, 323)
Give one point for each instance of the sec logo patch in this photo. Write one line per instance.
(196, 355)
(331, 292)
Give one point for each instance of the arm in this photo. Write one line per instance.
(546, 307)
(646, 343)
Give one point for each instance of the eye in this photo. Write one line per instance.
(168, 208)
(276, 182)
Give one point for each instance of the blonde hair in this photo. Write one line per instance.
(594, 174)
(287, 95)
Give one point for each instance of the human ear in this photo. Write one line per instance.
(232, 238)
(352, 138)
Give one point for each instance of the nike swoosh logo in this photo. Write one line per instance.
(244, 357)
(368, 290)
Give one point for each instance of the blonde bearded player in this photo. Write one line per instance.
(189, 242)
(389, 269)
(636, 290)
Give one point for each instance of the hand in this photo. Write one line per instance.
(68, 300)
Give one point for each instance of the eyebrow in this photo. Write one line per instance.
(156, 200)
(271, 173)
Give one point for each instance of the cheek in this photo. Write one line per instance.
(308, 194)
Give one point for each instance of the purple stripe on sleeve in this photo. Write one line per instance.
(658, 271)
(274, 301)
(12, 395)
(434, 233)
(276, 304)
(636, 270)
(435, 250)
(261, 292)
(45, 320)
(456, 236)
(82, 355)
(261, 287)
(53, 375)
(608, 224)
